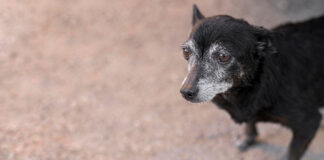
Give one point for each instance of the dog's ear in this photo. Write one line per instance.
(264, 44)
(196, 15)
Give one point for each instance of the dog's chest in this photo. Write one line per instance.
(243, 111)
(239, 112)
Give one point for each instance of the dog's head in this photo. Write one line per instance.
(222, 53)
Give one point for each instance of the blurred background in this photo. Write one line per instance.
(100, 80)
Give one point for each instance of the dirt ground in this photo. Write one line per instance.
(99, 80)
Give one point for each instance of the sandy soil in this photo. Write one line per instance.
(99, 80)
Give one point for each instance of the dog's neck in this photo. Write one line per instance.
(238, 99)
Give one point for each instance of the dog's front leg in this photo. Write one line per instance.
(303, 133)
(250, 133)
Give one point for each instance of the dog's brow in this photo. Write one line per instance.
(185, 44)
(216, 47)
(190, 44)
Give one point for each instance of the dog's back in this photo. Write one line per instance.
(301, 46)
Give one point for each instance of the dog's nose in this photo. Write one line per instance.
(189, 93)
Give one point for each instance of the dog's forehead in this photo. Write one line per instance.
(218, 25)
(205, 35)
(220, 32)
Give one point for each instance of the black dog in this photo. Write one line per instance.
(257, 74)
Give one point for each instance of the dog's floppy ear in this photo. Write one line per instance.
(264, 44)
(196, 14)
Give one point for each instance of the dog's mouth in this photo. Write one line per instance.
(205, 90)
(198, 88)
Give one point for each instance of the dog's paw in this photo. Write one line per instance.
(244, 144)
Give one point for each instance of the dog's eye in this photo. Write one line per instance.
(186, 53)
(224, 57)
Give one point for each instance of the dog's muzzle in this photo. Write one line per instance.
(189, 89)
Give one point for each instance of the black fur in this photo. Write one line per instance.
(196, 15)
(283, 78)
